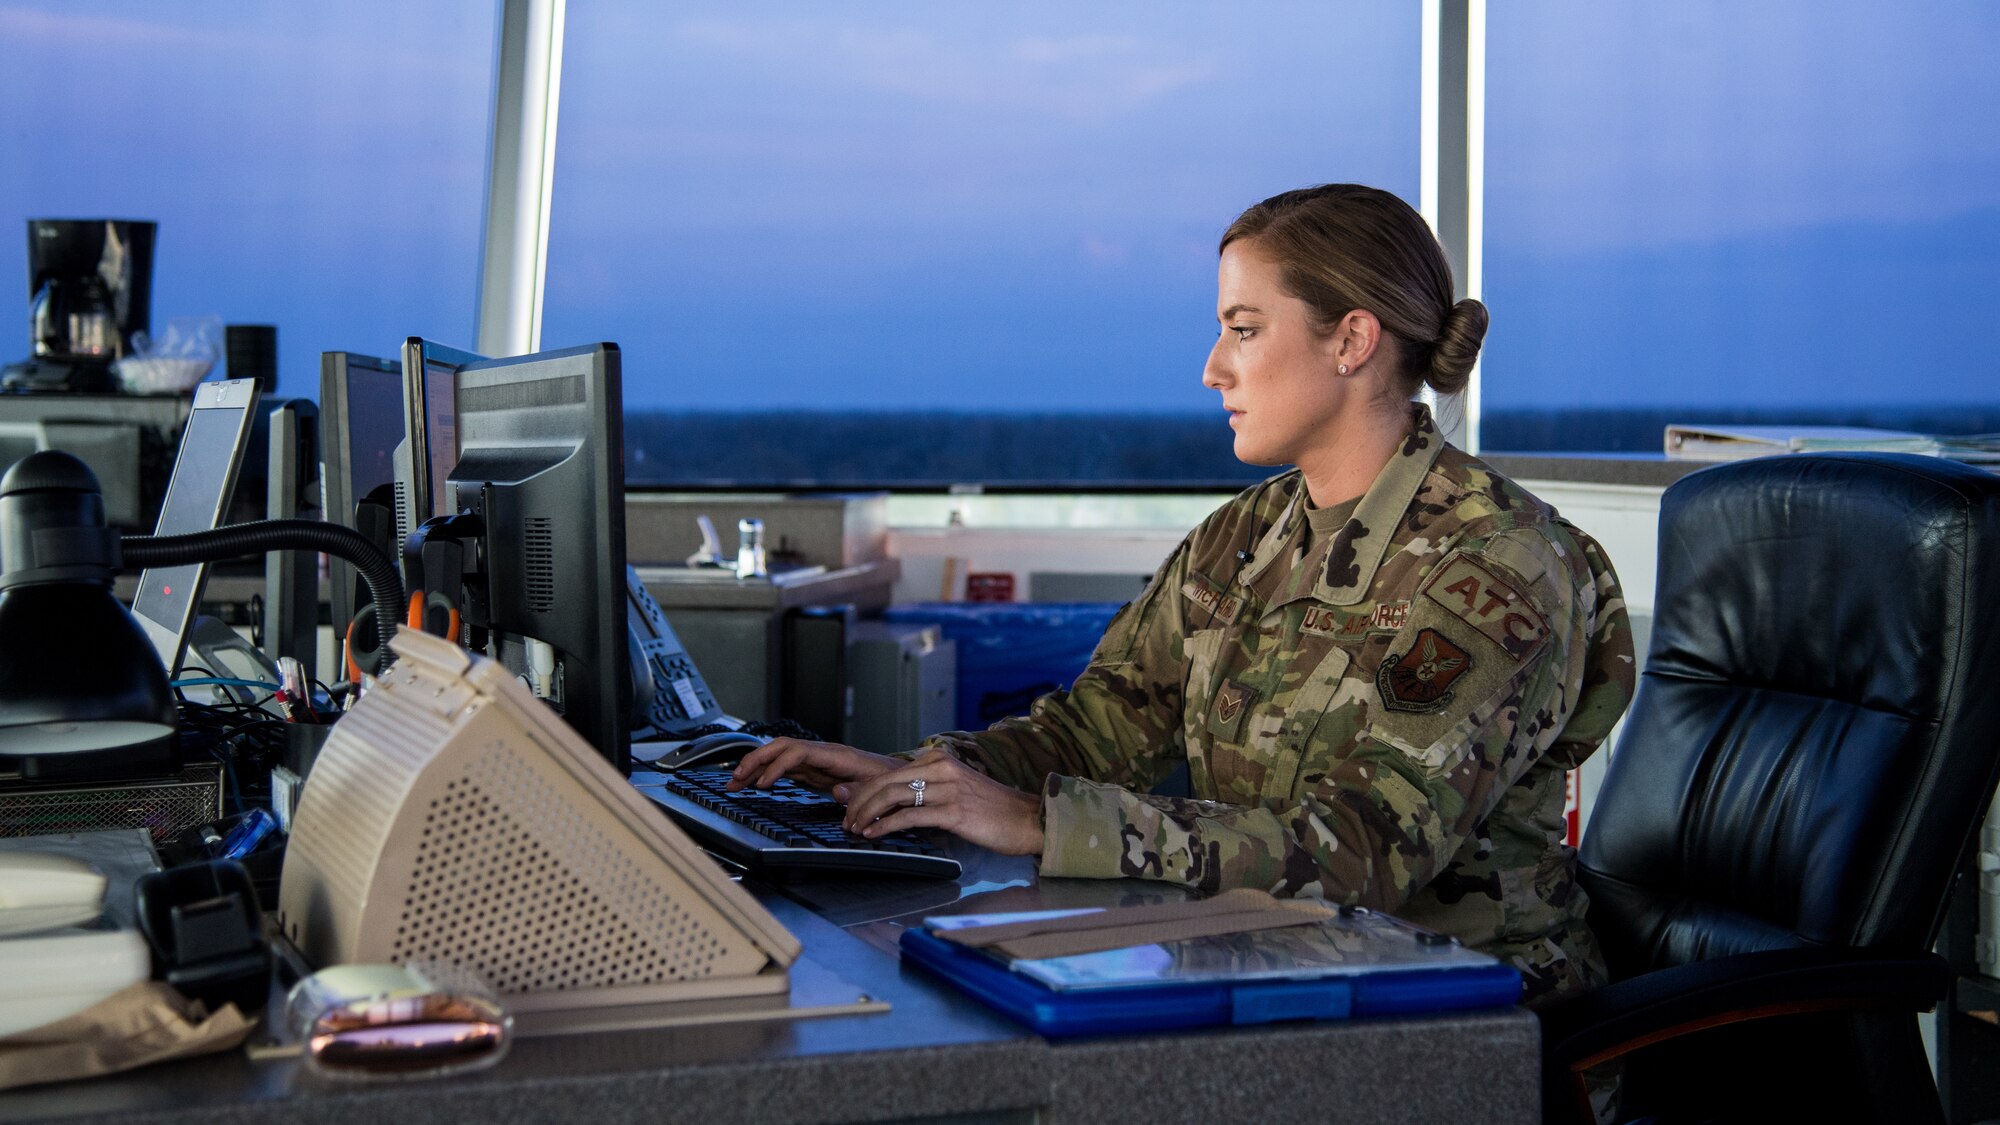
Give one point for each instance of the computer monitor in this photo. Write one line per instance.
(451, 817)
(292, 491)
(19, 439)
(430, 436)
(218, 429)
(542, 462)
(113, 448)
(362, 424)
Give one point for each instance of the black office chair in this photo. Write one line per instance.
(1815, 737)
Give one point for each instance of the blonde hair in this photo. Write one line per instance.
(1341, 247)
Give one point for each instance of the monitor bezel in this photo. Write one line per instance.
(598, 680)
(420, 358)
(336, 463)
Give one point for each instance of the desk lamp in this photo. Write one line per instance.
(81, 689)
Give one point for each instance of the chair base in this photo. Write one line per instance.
(1830, 1067)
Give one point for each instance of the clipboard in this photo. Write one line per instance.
(1355, 964)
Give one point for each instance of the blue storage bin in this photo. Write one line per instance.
(1011, 653)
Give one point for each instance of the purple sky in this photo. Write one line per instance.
(877, 205)
(1757, 203)
(1010, 206)
(319, 167)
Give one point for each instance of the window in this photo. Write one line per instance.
(873, 242)
(1724, 212)
(318, 167)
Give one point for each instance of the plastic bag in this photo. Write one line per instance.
(416, 1020)
(182, 356)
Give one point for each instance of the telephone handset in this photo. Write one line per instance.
(669, 698)
(676, 721)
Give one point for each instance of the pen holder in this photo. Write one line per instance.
(252, 839)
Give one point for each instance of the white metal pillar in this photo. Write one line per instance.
(520, 173)
(1453, 162)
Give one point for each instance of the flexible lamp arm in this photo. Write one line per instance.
(385, 587)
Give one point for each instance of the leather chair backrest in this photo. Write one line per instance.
(1817, 729)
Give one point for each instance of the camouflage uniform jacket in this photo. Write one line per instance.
(1381, 716)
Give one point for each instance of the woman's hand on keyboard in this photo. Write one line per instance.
(955, 797)
(821, 765)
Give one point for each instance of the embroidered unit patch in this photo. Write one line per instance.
(1421, 679)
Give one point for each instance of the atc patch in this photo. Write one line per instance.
(1420, 680)
(1473, 594)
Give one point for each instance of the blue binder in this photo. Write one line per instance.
(1354, 965)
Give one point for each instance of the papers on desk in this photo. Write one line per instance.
(53, 976)
(1695, 442)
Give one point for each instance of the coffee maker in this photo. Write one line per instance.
(90, 285)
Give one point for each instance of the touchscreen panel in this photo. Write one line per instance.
(204, 477)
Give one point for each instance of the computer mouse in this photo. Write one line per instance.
(711, 749)
(44, 890)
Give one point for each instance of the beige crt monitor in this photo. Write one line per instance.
(452, 816)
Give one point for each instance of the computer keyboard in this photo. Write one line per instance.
(786, 831)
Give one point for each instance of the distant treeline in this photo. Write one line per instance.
(929, 449)
(926, 448)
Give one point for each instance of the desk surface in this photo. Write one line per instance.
(934, 1055)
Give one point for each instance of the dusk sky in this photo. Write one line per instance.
(1015, 207)
(1764, 203)
(1012, 210)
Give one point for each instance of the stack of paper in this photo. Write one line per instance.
(1981, 449)
(1730, 443)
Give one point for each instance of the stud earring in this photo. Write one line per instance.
(1342, 369)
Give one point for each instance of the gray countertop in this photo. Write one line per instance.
(686, 588)
(1644, 469)
(934, 1055)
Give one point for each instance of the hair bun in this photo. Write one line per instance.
(1457, 347)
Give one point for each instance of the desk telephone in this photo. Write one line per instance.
(787, 831)
(675, 718)
(669, 697)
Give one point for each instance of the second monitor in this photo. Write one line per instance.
(362, 423)
(541, 463)
(430, 431)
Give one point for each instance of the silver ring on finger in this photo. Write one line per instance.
(917, 787)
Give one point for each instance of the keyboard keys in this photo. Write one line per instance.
(801, 823)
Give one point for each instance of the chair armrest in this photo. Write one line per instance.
(1656, 1006)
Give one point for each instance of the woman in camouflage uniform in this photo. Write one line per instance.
(1377, 666)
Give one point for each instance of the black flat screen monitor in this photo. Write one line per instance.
(430, 437)
(361, 425)
(211, 453)
(542, 461)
